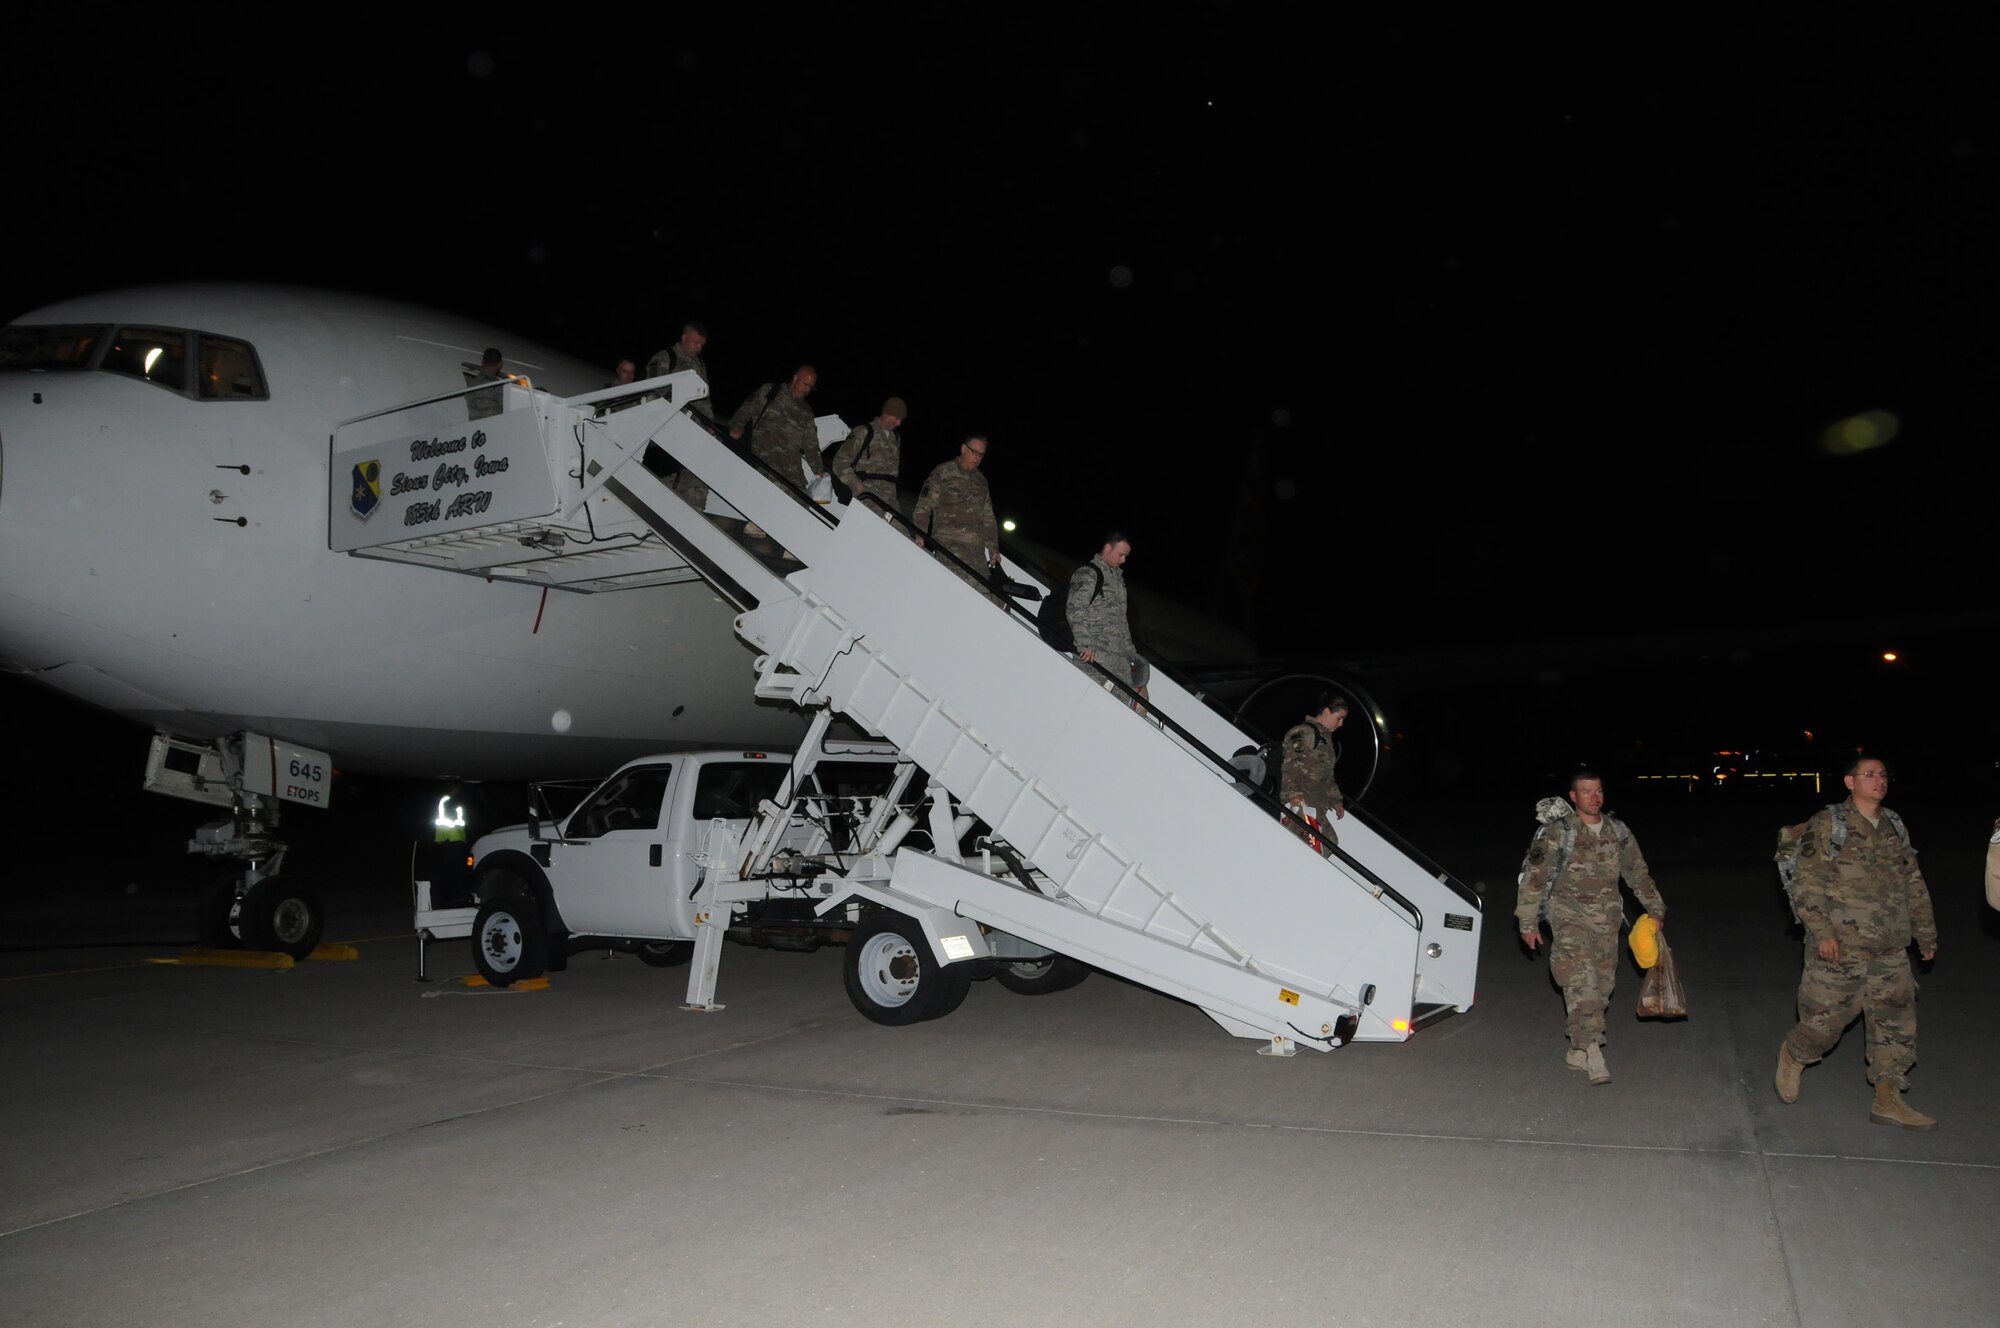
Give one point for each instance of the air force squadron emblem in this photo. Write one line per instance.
(367, 489)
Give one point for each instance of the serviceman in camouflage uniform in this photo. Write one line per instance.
(956, 510)
(685, 354)
(780, 426)
(1306, 780)
(1584, 911)
(1993, 868)
(1100, 616)
(1861, 904)
(870, 461)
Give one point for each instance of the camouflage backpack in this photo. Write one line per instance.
(1791, 839)
(1548, 811)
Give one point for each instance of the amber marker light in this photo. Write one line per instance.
(1888, 657)
(1400, 1025)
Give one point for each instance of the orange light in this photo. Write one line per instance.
(468, 859)
(1888, 657)
(1400, 1025)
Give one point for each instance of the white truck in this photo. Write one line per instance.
(653, 855)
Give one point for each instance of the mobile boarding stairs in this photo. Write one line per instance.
(1135, 848)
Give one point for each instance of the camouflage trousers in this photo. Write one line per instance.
(691, 489)
(972, 555)
(1583, 961)
(1878, 986)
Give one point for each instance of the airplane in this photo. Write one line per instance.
(164, 531)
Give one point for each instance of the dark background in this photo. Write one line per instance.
(1493, 361)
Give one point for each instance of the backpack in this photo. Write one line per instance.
(841, 492)
(1052, 619)
(1547, 811)
(1791, 839)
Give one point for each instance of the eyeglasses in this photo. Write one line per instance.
(976, 451)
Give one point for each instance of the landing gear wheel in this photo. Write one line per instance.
(221, 926)
(279, 916)
(508, 944)
(893, 978)
(1039, 977)
(665, 954)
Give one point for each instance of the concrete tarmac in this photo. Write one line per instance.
(341, 1144)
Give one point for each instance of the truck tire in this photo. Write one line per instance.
(893, 978)
(281, 917)
(665, 954)
(1039, 977)
(508, 944)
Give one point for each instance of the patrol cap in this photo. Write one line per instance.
(894, 406)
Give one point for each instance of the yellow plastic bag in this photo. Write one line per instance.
(1644, 939)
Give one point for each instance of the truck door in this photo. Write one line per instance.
(611, 877)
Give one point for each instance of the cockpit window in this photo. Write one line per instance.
(66, 346)
(229, 371)
(155, 354)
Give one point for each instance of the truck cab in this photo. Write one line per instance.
(621, 867)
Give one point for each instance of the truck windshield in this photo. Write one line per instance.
(629, 800)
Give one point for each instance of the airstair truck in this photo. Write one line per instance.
(1115, 833)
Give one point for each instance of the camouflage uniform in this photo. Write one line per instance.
(1993, 868)
(1584, 914)
(878, 449)
(1873, 900)
(1100, 619)
(671, 360)
(955, 511)
(1308, 774)
(780, 430)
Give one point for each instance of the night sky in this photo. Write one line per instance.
(1382, 340)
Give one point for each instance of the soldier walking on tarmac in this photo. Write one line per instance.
(1571, 875)
(1862, 899)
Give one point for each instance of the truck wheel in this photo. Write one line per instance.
(508, 944)
(1039, 977)
(277, 915)
(893, 978)
(665, 954)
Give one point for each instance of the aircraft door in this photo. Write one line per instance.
(613, 875)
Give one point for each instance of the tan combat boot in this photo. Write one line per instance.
(1788, 1074)
(1574, 1059)
(1593, 1061)
(1890, 1109)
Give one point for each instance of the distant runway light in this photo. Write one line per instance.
(1860, 433)
(1888, 657)
(1007, 526)
(559, 721)
(1121, 277)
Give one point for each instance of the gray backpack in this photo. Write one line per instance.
(1547, 811)
(1791, 839)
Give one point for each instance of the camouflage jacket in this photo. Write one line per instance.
(1308, 769)
(870, 462)
(956, 510)
(1590, 876)
(780, 430)
(1871, 895)
(1103, 623)
(671, 360)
